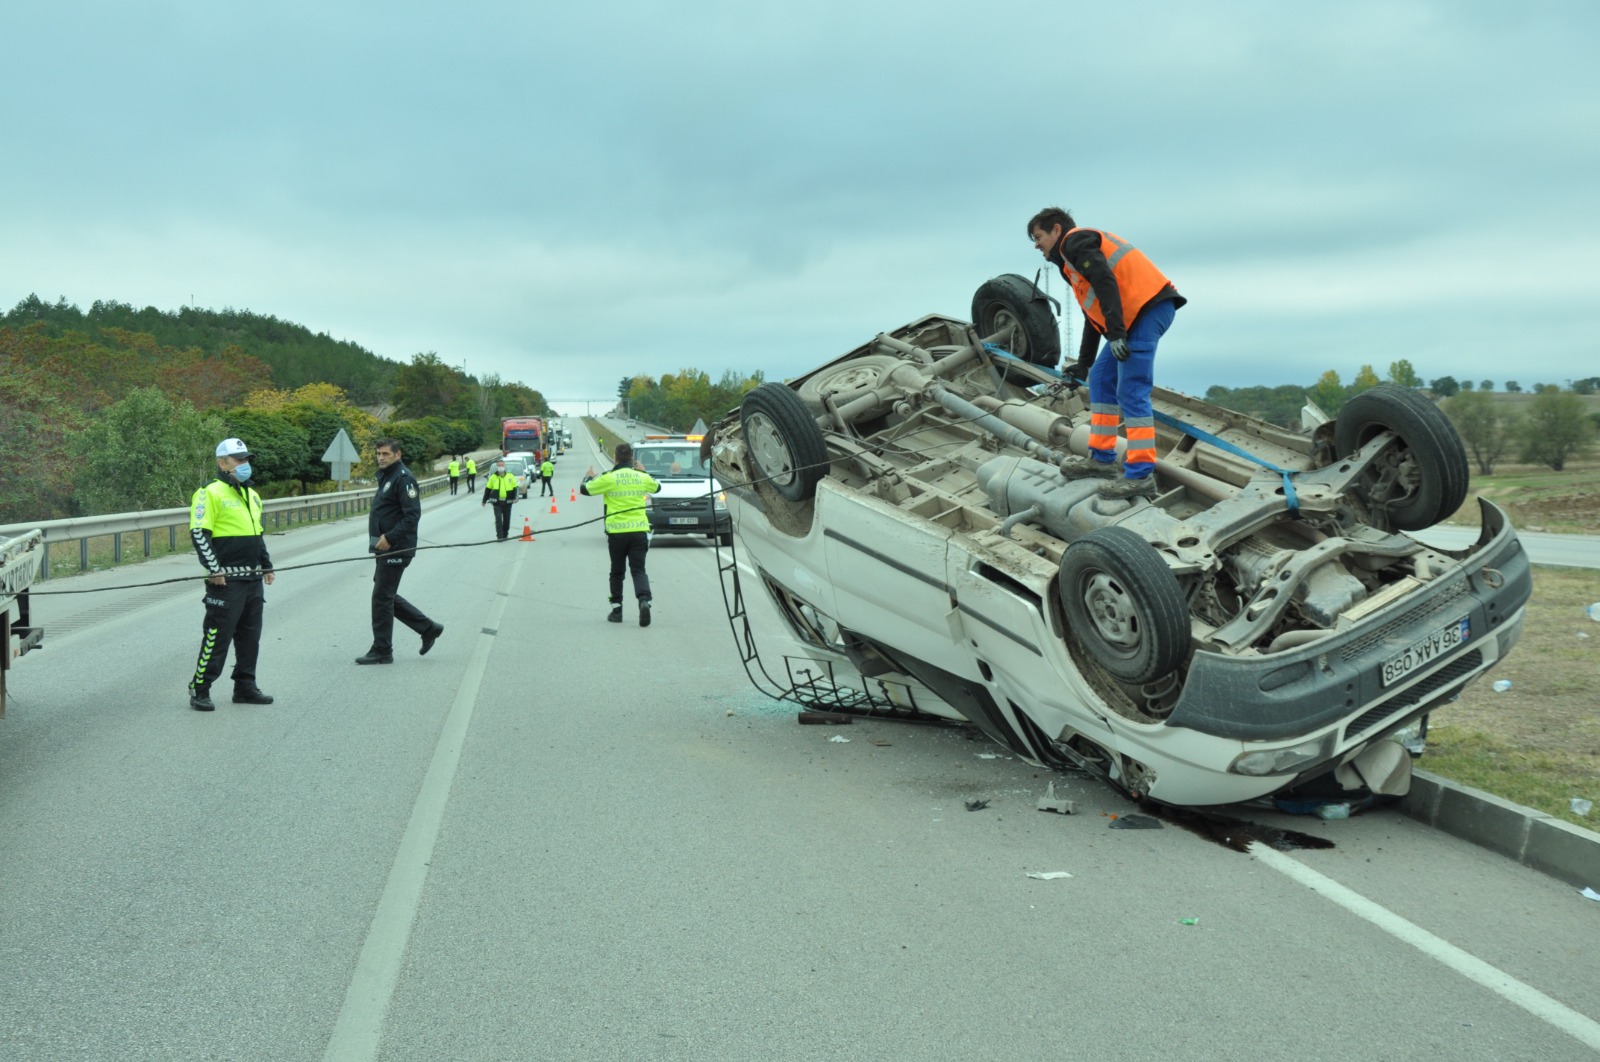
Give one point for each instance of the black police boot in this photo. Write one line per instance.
(375, 657)
(200, 700)
(250, 695)
(616, 614)
(644, 612)
(431, 637)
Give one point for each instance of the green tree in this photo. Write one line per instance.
(1445, 386)
(430, 388)
(144, 452)
(1328, 393)
(1513, 388)
(1486, 385)
(35, 468)
(281, 449)
(1403, 375)
(1484, 430)
(1556, 429)
(1586, 386)
(1467, 385)
(1366, 379)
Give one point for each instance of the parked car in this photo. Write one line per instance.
(690, 501)
(1265, 619)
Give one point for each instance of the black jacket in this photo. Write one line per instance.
(1083, 248)
(396, 508)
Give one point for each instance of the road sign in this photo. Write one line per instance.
(340, 455)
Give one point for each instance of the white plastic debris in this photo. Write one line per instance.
(1051, 802)
(1501, 685)
(1051, 875)
(839, 739)
(1594, 611)
(1581, 806)
(1590, 894)
(987, 756)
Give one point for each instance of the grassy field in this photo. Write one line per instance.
(1538, 498)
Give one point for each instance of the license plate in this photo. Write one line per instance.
(1425, 651)
(684, 520)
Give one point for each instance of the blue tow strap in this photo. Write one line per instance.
(1289, 496)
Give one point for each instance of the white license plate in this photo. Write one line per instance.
(684, 520)
(1425, 652)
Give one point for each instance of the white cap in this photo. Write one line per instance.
(232, 448)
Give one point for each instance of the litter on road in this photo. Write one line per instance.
(1587, 893)
(977, 805)
(1051, 802)
(1135, 822)
(840, 739)
(1051, 875)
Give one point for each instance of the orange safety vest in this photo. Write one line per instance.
(1138, 280)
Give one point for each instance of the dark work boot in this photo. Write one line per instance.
(616, 614)
(250, 694)
(200, 700)
(644, 612)
(375, 657)
(431, 637)
(1129, 488)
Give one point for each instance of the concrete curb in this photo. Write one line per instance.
(1532, 838)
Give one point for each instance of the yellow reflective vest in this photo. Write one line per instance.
(455, 469)
(225, 526)
(500, 485)
(625, 490)
(472, 467)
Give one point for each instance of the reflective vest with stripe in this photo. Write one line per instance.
(455, 468)
(626, 491)
(1138, 280)
(503, 483)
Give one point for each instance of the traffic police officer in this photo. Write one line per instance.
(392, 536)
(547, 468)
(500, 487)
(225, 525)
(472, 475)
(455, 474)
(627, 526)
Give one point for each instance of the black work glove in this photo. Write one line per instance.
(1119, 349)
(1077, 370)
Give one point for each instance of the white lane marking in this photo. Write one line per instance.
(1580, 1027)
(359, 1028)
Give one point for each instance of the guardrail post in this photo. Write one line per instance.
(45, 574)
(116, 548)
(172, 537)
(147, 543)
(83, 554)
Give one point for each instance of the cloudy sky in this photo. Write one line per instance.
(565, 195)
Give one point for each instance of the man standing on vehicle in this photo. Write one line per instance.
(627, 526)
(455, 473)
(392, 536)
(472, 475)
(1126, 299)
(547, 468)
(225, 526)
(500, 487)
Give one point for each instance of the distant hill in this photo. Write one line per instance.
(294, 354)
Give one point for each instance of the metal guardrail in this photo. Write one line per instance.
(283, 511)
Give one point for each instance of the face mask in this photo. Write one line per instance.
(242, 473)
(500, 469)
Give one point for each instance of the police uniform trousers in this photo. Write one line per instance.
(455, 481)
(233, 617)
(628, 549)
(544, 485)
(388, 605)
(502, 518)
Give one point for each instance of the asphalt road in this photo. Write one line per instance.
(555, 837)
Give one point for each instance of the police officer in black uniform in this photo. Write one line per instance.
(392, 535)
(225, 526)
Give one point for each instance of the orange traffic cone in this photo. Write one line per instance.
(553, 510)
(527, 531)
(574, 495)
